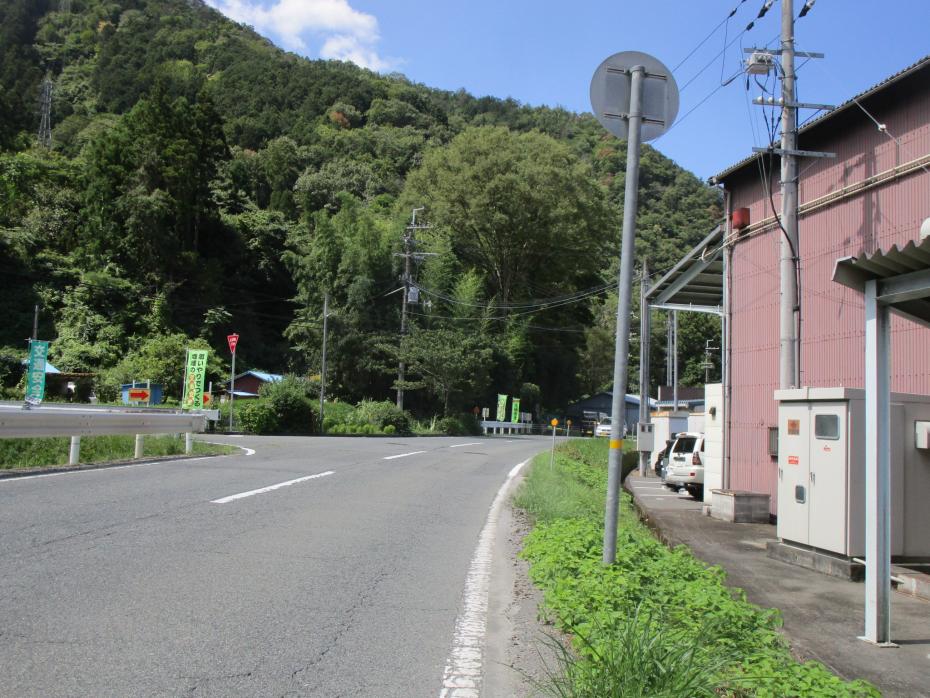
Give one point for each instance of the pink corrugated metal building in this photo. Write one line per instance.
(874, 194)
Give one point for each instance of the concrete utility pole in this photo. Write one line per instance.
(323, 366)
(789, 309)
(644, 335)
(675, 360)
(408, 254)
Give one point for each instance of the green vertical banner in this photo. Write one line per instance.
(515, 410)
(501, 407)
(35, 374)
(194, 377)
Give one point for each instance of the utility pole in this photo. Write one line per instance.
(644, 335)
(708, 364)
(35, 322)
(408, 254)
(45, 123)
(675, 360)
(789, 310)
(323, 367)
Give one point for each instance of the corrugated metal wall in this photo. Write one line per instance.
(832, 332)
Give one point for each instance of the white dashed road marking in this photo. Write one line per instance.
(472, 443)
(402, 455)
(462, 677)
(242, 495)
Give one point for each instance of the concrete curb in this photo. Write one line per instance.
(51, 470)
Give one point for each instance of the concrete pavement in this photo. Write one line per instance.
(822, 615)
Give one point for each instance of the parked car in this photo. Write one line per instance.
(661, 462)
(603, 428)
(686, 464)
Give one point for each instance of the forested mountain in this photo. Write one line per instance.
(201, 181)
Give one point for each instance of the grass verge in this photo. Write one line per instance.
(658, 622)
(18, 454)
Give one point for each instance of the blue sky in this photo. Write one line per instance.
(545, 51)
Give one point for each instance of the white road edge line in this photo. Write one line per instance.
(462, 675)
(242, 495)
(402, 455)
(78, 472)
(471, 443)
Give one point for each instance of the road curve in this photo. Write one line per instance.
(315, 566)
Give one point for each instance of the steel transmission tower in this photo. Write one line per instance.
(45, 123)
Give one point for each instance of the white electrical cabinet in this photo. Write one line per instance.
(821, 471)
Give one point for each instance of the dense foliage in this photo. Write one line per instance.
(658, 621)
(201, 181)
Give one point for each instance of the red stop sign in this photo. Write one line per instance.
(233, 340)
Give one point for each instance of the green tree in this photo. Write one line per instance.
(521, 207)
(452, 365)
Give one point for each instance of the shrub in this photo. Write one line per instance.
(257, 417)
(460, 425)
(382, 414)
(389, 429)
(291, 404)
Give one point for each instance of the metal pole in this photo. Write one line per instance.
(644, 336)
(323, 367)
(137, 453)
(622, 342)
(35, 322)
(675, 360)
(877, 470)
(232, 389)
(788, 264)
(552, 451)
(188, 443)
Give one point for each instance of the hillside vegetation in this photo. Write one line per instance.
(201, 181)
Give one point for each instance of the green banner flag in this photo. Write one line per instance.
(194, 378)
(35, 374)
(515, 410)
(501, 407)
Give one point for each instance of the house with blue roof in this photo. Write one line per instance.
(247, 384)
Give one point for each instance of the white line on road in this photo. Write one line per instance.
(76, 472)
(654, 496)
(462, 676)
(241, 495)
(470, 443)
(402, 455)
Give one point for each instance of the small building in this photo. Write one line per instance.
(602, 403)
(248, 383)
(872, 195)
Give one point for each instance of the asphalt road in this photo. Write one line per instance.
(157, 579)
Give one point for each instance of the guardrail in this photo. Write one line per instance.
(38, 422)
(18, 423)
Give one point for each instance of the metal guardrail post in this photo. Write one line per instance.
(138, 451)
(74, 455)
(188, 443)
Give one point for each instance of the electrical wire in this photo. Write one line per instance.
(725, 20)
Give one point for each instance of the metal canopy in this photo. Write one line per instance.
(695, 283)
(896, 280)
(902, 276)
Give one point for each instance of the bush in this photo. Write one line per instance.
(257, 417)
(382, 414)
(389, 429)
(465, 424)
(291, 405)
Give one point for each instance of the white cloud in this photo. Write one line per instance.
(345, 33)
